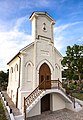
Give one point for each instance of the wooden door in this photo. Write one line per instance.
(45, 75)
(45, 103)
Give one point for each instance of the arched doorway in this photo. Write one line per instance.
(45, 75)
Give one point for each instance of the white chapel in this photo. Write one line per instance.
(35, 79)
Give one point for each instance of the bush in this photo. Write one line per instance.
(72, 86)
(2, 112)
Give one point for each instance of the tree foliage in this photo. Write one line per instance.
(3, 80)
(74, 62)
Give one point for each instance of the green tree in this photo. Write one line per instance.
(3, 79)
(74, 62)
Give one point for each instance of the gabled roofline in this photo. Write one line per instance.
(41, 13)
(13, 58)
(27, 46)
(58, 52)
(20, 52)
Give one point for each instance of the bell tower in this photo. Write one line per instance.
(42, 26)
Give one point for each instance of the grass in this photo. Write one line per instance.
(2, 112)
(78, 95)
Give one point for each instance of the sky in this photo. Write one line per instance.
(15, 26)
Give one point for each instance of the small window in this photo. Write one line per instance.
(11, 69)
(11, 73)
(29, 72)
(16, 67)
(16, 72)
(44, 27)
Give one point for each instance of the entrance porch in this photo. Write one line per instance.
(40, 100)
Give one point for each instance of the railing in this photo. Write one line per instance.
(29, 100)
(46, 84)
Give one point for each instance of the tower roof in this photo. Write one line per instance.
(36, 14)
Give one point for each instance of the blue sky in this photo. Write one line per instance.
(15, 27)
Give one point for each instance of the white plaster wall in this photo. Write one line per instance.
(37, 27)
(44, 53)
(44, 50)
(34, 30)
(36, 110)
(19, 100)
(40, 31)
(13, 83)
(44, 47)
(58, 102)
(27, 85)
(41, 50)
(58, 59)
(69, 106)
(21, 95)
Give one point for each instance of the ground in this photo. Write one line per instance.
(64, 114)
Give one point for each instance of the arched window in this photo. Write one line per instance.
(57, 71)
(16, 71)
(11, 69)
(11, 72)
(29, 72)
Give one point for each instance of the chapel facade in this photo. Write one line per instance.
(37, 67)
